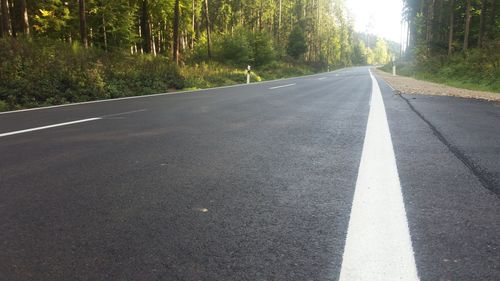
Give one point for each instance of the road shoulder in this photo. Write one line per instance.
(408, 85)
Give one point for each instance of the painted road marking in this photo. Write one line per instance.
(321, 78)
(70, 123)
(378, 244)
(282, 86)
(124, 113)
(49, 126)
(164, 94)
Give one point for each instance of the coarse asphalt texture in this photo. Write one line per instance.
(250, 182)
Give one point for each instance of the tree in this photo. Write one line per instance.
(176, 33)
(24, 17)
(380, 54)
(450, 28)
(493, 28)
(467, 26)
(430, 25)
(83, 23)
(209, 38)
(145, 28)
(481, 24)
(297, 45)
(6, 26)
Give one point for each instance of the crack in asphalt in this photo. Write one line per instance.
(484, 177)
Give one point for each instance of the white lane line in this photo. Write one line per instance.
(321, 78)
(125, 113)
(49, 126)
(282, 86)
(70, 123)
(378, 244)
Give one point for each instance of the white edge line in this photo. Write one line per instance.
(49, 126)
(282, 86)
(378, 243)
(171, 93)
(387, 83)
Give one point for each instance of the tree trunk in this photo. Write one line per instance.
(441, 22)
(139, 29)
(7, 29)
(279, 18)
(104, 32)
(193, 24)
(450, 30)
(13, 18)
(430, 25)
(83, 23)
(209, 39)
(481, 25)
(176, 32)
(24, 18)
(1, 23)
(493, 18)
(467, 26)
(145, 30)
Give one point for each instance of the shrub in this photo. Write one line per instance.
(233, 49)
(297, 45)
(262, 49)
(44, 72)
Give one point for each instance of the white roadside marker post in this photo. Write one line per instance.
(393, 67)
(248, 74)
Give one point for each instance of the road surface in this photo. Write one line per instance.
(323, 177)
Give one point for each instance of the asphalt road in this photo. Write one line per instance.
(252, 182)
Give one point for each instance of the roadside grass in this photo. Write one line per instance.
(479, 71)
(45, 72)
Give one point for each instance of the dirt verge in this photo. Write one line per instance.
(408, 85)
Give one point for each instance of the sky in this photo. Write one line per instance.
(379, 17)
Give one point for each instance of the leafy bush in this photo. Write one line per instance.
(297, 45)
(45, 72)
(242, 47)
(263, 49)
(233, 49)
(41, 72)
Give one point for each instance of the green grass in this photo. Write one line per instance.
(479, 71)
(45, 72)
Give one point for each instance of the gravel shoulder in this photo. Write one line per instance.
(408, 85)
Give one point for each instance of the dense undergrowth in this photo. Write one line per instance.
(47, 72)
(480, 70)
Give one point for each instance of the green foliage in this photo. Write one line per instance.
(130, 44)
(380, 54)
(44, 72)
(52, 18)
(241, 47)
(297, 45)
(360, 54)
(233, 49)
(478, 71)
(263, 50)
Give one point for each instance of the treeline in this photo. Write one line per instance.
(313, 30)
(453, 41)
(124, 47)
(439, 26)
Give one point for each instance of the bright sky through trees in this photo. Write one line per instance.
(379, 17)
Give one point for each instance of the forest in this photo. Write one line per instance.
(454, 42)
(58, 51)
